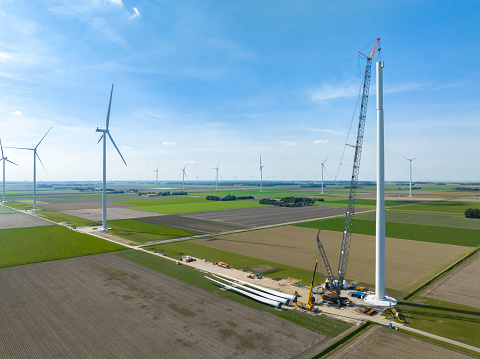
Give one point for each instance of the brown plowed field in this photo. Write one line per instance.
(107, 307)
(193, 224)
(460, 286)
(408, 263)
(20, 220)
(95, 214)
(380, 342)
(271, 215)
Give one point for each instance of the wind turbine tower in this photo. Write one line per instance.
(410, 160)
(35, 155)
(156, 176)
(184, 174)
(261, 174)
(4, 159)
(105, 133)
(323, 168)
(216, 176)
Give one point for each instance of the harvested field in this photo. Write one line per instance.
(106, 306)
(64, 207)
(95, 214)
(380, 342)
(6, 210)
(460, 285)
(21, 220)
(271, 215)
(192, 224)
(408, 263)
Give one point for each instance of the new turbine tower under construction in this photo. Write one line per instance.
(4, 159)
(35, 155)
(105, 133)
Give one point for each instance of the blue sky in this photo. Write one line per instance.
(198, 82)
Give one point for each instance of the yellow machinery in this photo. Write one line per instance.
(310, 299)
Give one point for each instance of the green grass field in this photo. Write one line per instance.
(69, 220)
(6, 210)
(18, 205)
(446, 319)
(319, 323)
(163, 200)
(442, 206)
(21, 246)
(237, 261)
(417, 232)
(205, 206)
(141, 232)
(440, 219)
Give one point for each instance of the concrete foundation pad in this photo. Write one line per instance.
(384, 302)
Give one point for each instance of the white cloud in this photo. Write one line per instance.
(290, 144)
(117, 2)
(17, 113)
(407, 86)
(169, 143)
(327, 91)
(135, 14)
(126, 147)
(320, 142)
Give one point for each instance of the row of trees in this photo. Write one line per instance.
(472, 213)
(467, 189)
(166, 193)
(228, 197)
(291, 201)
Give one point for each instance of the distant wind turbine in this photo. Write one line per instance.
(410, 160)
(106, 132)
(261, 174)
(184, 175)
(156, 175)
(35, 155)
(323, 168)
(4, 159)
(216, 176)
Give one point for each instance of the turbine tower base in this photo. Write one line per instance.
(380, 302)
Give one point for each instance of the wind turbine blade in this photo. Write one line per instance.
(326, 171)
(43, 137)
(41, 162)
(408, 159)
(21, 148)
(111, 139)
(11, 162)
(1, 148)
(109, 106)
(413, 158)
(100, 139)
(326, 158)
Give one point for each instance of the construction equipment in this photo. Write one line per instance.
(222, 264)
(335, 285)
(310, 299)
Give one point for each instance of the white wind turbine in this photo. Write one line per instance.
(4, 159)
(261, 174)
(106, 132)
(35, 155)
(216, 176)
(410, 160)
(156, 176)
(323, 168)
(184, 174)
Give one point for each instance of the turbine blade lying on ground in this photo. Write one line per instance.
(111, 139)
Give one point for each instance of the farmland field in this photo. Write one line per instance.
(141, 232)
(458, 207)
(162, 201)
(21, 246)
(296, 247)
(105, 306)
(203, 206)
(379, 342)
(95, 214)
(461, 286)
(417, 232)
(5, 210)
(20, 220)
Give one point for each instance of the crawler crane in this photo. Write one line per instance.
(332, 287)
